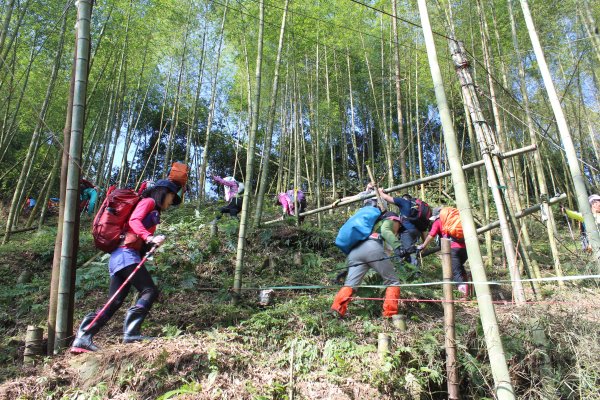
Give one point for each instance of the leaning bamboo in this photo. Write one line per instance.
(563, 129)
(503, 388)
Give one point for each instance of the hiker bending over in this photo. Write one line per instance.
(370, 254)
(595, 205)
(88, 196)
(233, 189)
(409, 233)
(446, 220)
(287, 201)
(29, 204)
(364, 195)
(139, 236)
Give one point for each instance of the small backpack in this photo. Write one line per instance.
(85, 184)
(357, 228)
(179, 173)
(451, 225)
(112, 217)
(420, 214)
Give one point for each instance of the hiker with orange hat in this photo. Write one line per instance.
(368, 254)
(446, 224)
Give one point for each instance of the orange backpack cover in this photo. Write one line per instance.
(451, 225)
(179, 173)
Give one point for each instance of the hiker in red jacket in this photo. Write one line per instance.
(458, 250)
(139, 236)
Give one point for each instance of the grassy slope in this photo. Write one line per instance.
(209, 348)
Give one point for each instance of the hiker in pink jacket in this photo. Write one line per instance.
(287, 201)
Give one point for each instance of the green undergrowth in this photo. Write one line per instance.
(212, 348)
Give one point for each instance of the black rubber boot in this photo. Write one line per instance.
(133, 324)
(83, 340)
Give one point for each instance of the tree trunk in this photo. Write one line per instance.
(401, 139)
(563, 128)
(237, 280)
(67, 261)
(271, 120)
(503, 387)
(539, 166)
(211, 111)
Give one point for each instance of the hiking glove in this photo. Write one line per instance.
(399, 252)
(156, 240)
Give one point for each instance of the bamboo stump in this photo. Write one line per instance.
(33, 344)
(24, 277)
(399, 322)
(383, 345)
(214, 229)
(298, 258)
(451, 366)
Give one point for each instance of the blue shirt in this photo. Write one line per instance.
(122, 257)
(405, 206)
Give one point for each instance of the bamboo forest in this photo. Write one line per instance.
(300, 199)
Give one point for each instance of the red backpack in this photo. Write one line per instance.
(420, 214)
(110, 221)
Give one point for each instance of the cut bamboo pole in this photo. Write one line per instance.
(417, 182)
(450, 341)
(503, 388)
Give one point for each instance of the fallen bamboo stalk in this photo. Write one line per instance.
(406, 185)
(24, 230)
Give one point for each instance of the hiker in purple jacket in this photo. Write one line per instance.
(233, 189)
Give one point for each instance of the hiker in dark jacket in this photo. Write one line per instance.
(139, 236)
(370, 254)
(409, 234)
(233, 190)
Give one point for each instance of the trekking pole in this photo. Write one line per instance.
(109, 302)
(380, 202)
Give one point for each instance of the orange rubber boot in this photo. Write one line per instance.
(390, 304)
(342, 299)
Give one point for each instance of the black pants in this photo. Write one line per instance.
(459, 258)
(142, 281)
(233, 208)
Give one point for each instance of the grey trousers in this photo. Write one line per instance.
(409, 238)
(364, 254)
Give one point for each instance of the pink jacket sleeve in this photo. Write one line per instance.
(223, 182)
(142, 209)
(436, 228)
(284, 201)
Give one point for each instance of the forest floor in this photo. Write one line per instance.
(208, 348)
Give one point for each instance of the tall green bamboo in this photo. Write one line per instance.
(239, 263)
(271, 120)
(575, 171)
(503, 387)
(67, 261)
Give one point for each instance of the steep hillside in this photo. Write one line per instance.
(209, 348)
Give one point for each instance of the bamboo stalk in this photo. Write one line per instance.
(450, 339)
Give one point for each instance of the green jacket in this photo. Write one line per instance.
(386, 229)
